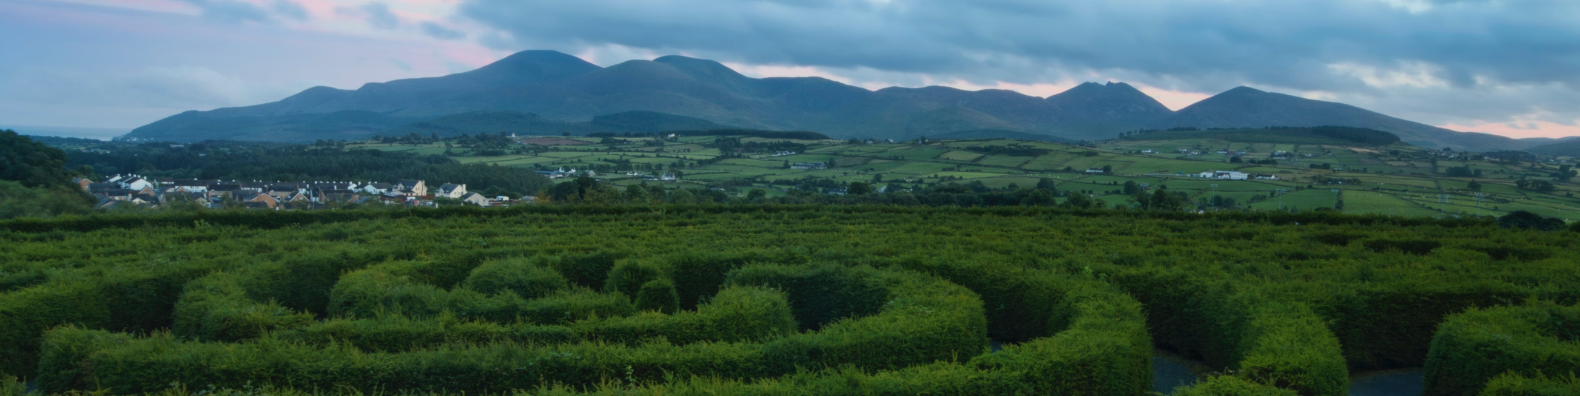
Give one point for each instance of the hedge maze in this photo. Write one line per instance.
(778, 300)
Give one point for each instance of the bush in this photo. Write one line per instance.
(216, 308)
(658, 295)
(525, 278)
(1474, 347)
(1509, 384)
(1530, 221)
(627, 277)
(1228, 385)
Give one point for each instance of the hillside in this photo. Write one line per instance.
(1285, 135)
(1569, 147)
(680, 93)
(1251, 108)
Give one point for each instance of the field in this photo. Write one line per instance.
(782, 300)
(1396, 178)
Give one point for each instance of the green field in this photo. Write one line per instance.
(1401, 175)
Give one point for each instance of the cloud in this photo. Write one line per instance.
(231, 11)
(290, 9)
(1374, 51)
(440, 32)
(182, 87)
(379, 16)
(400, 64)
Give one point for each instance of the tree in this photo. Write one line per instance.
(1473, 186)
(1108, 169)
(1039, 197)
(859, 188)
(756, 195)
(682, 197)
(1131, 188)
(636, 194)
(20, 201)
(31, 163)
(1530, 221)
(1047, 184)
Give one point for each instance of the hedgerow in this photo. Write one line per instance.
(1526, 342)
(765, 300)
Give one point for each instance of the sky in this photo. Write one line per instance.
(1508, 67)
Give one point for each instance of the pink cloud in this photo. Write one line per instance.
(1520, 128)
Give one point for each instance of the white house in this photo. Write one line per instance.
(1224, 175)
(133, 183)
(476, 199)
(449, 190)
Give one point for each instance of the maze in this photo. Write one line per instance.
(780, 301)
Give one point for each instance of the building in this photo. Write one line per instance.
(476, 199)
(376, 188)
(449, 190)
(412, 188)
(1094, 170)
(1224, 175)
(809, 165)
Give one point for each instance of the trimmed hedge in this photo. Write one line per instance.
(928, 320)
(1474, 347)
(370, 292)
(521, 276)
(1510, 384)
(1228, 385)
(1282, 344)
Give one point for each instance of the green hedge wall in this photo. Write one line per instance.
(1531, 340)
(928, 320)
(1509, 384)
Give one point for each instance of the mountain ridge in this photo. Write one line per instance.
(562, 88)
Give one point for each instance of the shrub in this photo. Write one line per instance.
(1474, 347)
(627, 277)
(1228, 385)
(216, 308)
(658, 295)
(1510, 384)
(525, 278)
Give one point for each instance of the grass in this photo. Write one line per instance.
(1401, 174)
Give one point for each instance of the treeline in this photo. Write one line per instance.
(220, 160)
(34, 181)
(1277, 134)
(1013, 150)
(813, 191)
(798, 135)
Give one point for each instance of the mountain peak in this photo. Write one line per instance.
(1108, 101)
(549, 62)
(1242, 90)
(702, 69)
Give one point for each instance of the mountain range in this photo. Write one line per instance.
(548, 92)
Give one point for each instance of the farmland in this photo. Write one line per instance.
(1394, 179)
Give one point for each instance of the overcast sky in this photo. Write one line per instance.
(1510, 67)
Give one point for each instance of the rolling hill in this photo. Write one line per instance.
(550, 91)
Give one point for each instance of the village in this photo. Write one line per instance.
(154, 192)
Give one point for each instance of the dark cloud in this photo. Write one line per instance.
(1194, 45)
(379, 16)
(231, 11)
(440, 32)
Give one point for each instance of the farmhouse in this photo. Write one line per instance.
(1224, 175)
(448, 190)
(809, 165)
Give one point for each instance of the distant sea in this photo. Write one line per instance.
(85, 133)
